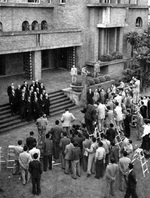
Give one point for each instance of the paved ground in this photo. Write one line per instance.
(55, 184)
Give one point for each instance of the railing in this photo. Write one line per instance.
(25, 1)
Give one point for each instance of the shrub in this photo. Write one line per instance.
(116, 55)
(91, 81)
(77, 83)
(102, 78)
(105, 57)
(96, 80)
(107, 77)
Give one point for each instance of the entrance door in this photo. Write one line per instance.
(45, 59)
(2, 64)
(62, 57)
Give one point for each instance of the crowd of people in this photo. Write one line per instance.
(91, 146)
(28, 100)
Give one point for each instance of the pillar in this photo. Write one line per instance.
(37, 65)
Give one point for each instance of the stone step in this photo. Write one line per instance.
(59, 100)
(5, 112)
(62, 103)
(8, 119)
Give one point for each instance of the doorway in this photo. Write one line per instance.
(2, 65)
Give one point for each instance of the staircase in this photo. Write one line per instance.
(58, 100)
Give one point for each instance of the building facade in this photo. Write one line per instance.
(38, 34)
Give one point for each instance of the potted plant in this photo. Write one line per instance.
(77, 86)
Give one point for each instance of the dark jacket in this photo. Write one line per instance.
(75, 153)
(48, 147)
(30, 141)
(35, 168)
(131, 180)
(90, 113)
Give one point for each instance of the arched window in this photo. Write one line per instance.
(139, 22)
(44, 25)
(1, 26)
(35, 25)
(25, 26)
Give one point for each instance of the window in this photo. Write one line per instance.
(35, 25)
(25, 26)
(139, 22)
(44, 25)
(1, 27)
(62, 1)
(33, 1)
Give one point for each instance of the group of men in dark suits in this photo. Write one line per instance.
(29, 101)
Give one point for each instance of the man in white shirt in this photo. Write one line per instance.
(24, 160)
(136, 90)
(41, 125)
(100, 161)
(73, 74)
(67, 119)
(35, 150)
(101, 111)
(118, 116)
(17, 150)
(91, 157)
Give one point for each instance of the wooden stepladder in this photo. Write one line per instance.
(119, 139)
(139, 155)
(2, 159)
(10, 157)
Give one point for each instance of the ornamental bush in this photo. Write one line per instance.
(102, 78)
(91, 81)
(96, 80)
(107, 77)
(78, 82)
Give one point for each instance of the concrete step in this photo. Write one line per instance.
(62, 103)
(6, 111)
(59, 100)
(8, 119)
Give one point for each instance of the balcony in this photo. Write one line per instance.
(112, 18)
(14, 42)
(26, 3)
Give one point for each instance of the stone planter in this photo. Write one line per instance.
(76, 88)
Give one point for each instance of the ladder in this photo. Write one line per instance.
(119, 139)
(10, 156)
(139, 155)
(2, 159)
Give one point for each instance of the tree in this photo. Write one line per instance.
(140, 51)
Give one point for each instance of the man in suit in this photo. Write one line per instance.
(143, 110)
(48, 151)
(56, 132)
(35, 169)
(67, 152)
(90, 117)
(67, 120)
(111, 173)
(131, 184)
(75, 163)
(63, 143)
(111, 133)
(30, 141)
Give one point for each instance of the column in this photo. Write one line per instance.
(36, 64)
(102, 41)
